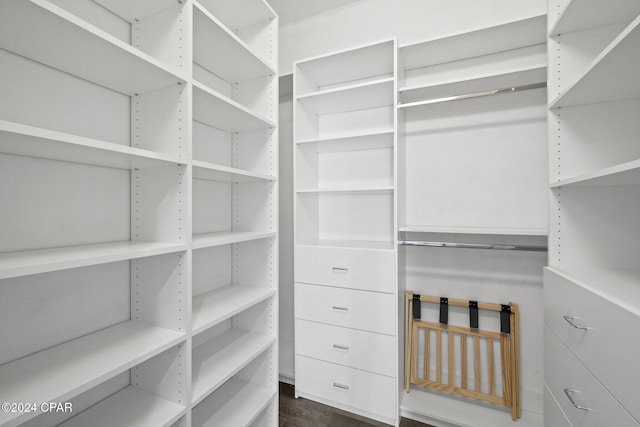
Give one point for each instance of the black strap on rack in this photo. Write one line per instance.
(473, 314)
(444, 310)
(505, 319)
(416, 307)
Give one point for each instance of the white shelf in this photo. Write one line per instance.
(619, 59)
(350, 190)
(378, 93)
(513, 35)
(624, 174)
(240, 14)
(130, 407)
(66, 370)
(354, 244)
(54, 37)
(206, 240)
(473, 230)
(214, 109)
(135, 9)
(583, 14)
(215, 361)
(213, 172)
(512, 78)
(222, 52)
(236, 403)
(13, 264)
(619, 286)
(354, 142)
(213, 307)
(23, 140)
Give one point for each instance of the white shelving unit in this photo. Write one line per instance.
(345, 217)
(472, 162)
(138, 157)
(594, 204)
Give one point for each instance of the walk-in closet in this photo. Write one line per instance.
(299, 213)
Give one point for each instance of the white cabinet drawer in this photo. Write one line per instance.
(358, 349)
(347, 386)
(569, 380)
(365, 269)
(368, 311)
(553, 415)
(609, 347)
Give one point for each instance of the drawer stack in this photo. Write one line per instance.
(346, 348)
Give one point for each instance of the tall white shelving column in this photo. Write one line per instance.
(344, 235)
(592, 285)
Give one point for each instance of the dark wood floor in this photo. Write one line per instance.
(306, 413)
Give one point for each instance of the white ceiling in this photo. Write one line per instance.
(295, 10)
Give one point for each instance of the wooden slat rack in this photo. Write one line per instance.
(462, 343)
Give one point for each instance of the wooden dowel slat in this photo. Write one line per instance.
(414, 352)
(426, 364)
(451, 362)
(506, 369)
(438, 356)
(476, 361)
(463, 361)
(461, 303)
(492, 384)
(408, 343)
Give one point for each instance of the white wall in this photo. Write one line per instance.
(409, 20)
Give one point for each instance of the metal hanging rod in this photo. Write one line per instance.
(491, 246)
(474, 95)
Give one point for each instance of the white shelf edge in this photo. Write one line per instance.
(571, 5)
(236, 403)
(225, 304)
(341, 51)
(233, 36)
(470, 79)
(387, 246)
(592, 179)
(389, 132)
(81, 143)
(23, 263)
(474, 230)
(382, 189)
(233, 104)
(347, 88)
(600, 59)
(241, 174)
(255, 345)
(129, 406)
(206, 240)
(69, 369)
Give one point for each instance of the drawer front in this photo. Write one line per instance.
(349, 347)
(351, 387)
(347, 268)
(569, 380)
(368, 311)
(553, 415)
(609, 347)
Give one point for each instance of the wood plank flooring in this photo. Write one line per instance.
(306, 413)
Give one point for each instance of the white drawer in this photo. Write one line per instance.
(609, 348)
(347, 386)
(368, 311)
(568, 379)
(358, 349)
(348, 268)
(553, 415)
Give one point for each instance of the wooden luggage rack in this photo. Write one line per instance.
(507, 339)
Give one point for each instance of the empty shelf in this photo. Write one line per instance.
(213, 41)
(378, 93)
(206, 240)
(215, 361)
(54, 37)
(213, 172)
(596, 85)
(66, 370)
(213, 307)
(136, 9)
(382, 189)
(235, 403)
(240, 14)
(475, 230)
(214, 109)
(130, 407)
(354, 142)
(583, 14)
(32, 141)
(355, 244)
(624, 174)
(13, 264)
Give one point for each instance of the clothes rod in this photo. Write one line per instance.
(499, 247)
(474, 95)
